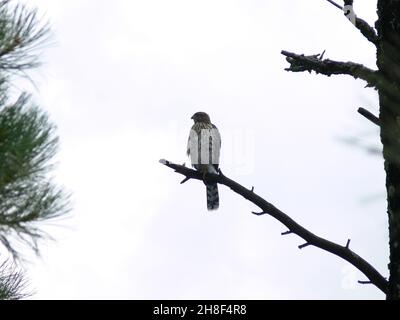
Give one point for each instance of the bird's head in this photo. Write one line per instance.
(201, 117)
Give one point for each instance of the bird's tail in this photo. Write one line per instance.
(212, 196)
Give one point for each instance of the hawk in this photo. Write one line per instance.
(203, 148)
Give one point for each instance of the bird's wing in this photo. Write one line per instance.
(188, 146)
(192, 146)
(216, 144)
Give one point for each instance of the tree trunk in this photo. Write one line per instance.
(388, 61)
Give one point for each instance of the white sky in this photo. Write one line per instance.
(121, 83)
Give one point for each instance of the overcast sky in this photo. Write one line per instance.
(121, 82)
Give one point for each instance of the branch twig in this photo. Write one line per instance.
(184, 180)
(304, 245)
(364, 282)
(335, 4)
(267, 208)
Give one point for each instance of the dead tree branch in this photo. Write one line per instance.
(370, 116)
(374, 78)
(267, 208)
(335, 4)
(366, 30)
(301, 62)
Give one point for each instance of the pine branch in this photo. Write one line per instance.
(12, 282)
(367, 31)
(27, 143)
(267, 208)
(21, 36)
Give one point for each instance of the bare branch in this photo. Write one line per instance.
(184, 180)
(259, 213)
(366, 30)
(364, 282)
(335, 4)
(300, 63)
(304, 245)
(371, 117)
(267, 208)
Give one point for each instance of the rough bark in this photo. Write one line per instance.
(388, 62)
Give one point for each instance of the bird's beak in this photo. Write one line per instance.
(192, 117)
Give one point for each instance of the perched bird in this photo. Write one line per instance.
(203, 148)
